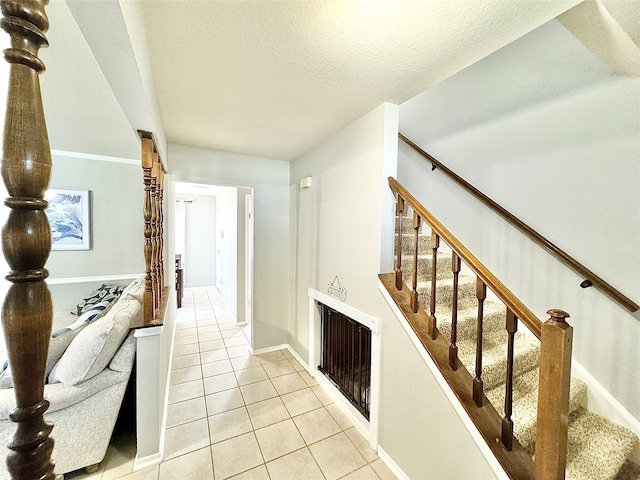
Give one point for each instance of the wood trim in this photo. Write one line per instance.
(553, 396)
(26, 239)
(503, 293)
(153, 178)
(517, 462)
(588, 275)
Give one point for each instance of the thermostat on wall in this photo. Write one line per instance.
(305, 182)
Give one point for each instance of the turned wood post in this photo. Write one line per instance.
(399, 214)
(26, 239)
(417, 223)
(161, 228)
(553, 396)
(154, 233)
(147, 165)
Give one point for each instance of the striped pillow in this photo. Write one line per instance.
(104, 293)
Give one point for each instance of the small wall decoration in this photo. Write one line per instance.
(334, 288)
(68, 215)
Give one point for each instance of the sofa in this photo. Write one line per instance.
(89, 364)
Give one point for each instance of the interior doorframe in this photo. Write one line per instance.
(248, 258)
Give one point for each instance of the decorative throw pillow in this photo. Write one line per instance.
(59, 342)
(105, 293)
(135, 290)
(94, 347)
(96, 311)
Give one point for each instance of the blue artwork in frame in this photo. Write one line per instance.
(68, 215)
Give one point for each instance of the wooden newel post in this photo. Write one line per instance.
(553, 396)
(26, 239)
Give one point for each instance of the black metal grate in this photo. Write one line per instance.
(346, 357)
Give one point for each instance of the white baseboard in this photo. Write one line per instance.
(148, 461)
(298, 357)
(600, 401)
(260, 351)
(393, 466)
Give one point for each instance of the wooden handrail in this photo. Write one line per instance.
(591, 279)
(503, 293)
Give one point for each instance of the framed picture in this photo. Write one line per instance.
(68, 215)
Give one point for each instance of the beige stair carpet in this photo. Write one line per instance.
(598, 448)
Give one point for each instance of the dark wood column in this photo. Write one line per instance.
(26, 238)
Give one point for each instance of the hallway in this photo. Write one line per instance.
(233, 415)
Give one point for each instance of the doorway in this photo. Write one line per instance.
(214, 236)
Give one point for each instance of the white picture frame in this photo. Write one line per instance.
(68, 215)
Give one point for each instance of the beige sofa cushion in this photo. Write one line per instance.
(94, 347)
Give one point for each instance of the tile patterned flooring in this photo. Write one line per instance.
(243, 417)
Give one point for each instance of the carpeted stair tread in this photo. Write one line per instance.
(407, 226)
(444, 293)
(494, 356)
(409, 242)
(494, 317)
(525, 403)
(443, 267)
(598, 448)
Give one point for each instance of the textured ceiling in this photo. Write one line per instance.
(275, 78)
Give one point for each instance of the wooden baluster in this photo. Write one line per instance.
(415, 304)
(453, 348)
(156, 231)
(435, 243)
(507, 422)
(478, 386)
(399, 214)
(154, 234)
(161, 229)
(26, 239)
(553, 396)
(147, 165)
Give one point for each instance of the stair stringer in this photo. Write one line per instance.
(455, 403)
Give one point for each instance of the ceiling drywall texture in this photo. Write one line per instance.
(81, 110)
(275, 78)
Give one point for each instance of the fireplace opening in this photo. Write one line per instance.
(346, 356)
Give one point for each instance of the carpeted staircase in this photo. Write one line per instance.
(598, 448)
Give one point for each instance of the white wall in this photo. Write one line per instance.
(343, 225)
(116, 217)
(546, 131)
(200, 241)
(270, 182)
(117, 239)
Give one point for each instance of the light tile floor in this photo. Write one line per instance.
(234, 415)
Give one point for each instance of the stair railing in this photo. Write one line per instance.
(555, 337)
(590, 278)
